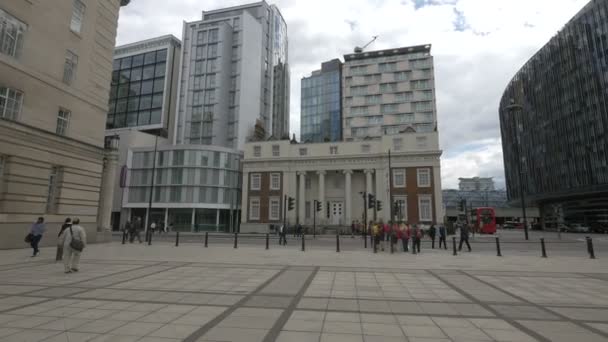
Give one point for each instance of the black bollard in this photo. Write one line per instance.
(373, 242)
(176, 239)
(236, 239)
(124, 237)
(338, 243)
(454, 245)
(392, 245)
(590, 248)
(542, 247)
(149, 238)
(303, 247)
(267, 240)
(364, 240)
(498, 247)
(206, 239)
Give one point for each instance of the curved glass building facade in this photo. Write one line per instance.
(554, 123)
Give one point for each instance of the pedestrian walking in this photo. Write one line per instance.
(432, 232)
(353, 228)
(35, 235)
(386, 230)
(135, 229)
(442, 236)
(464, 236)
(417, 237)
(66, 224)
(283, 235)
(376, 233)
(75, 240)
(153, 227)
(407, 234)
(300, 230)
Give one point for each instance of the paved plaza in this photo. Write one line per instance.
(191, 293)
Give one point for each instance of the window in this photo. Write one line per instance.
(399, 178)
(275, 181)
(210, 65)
(388, 87)
(358, 90)
(10, 103)
(254, 208)
(307, 209)
(303, 151)
(427, 94)
(365, 148)
(397, 144)
(274, 209)
(257, 151)
(63, 121)
(359, 110)
(333, 149)
(212, 51)
(373, 99)
(256, 181)
(384, 67)
(421, 141)
(400, 76)
(425, 208)
(403, 97)
(389, 108)
(374, 120)
(53, 189)
(178, 158)
(11, 34)
(359, 131)
(401, 212)
(69, 69)
(424, 178)
(307, 182)
(423, 106)
(77, 16)
(421, 84)
(358, 70)
(213, 36)
(276, 150)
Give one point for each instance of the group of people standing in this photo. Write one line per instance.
(392, 232)
(71, 241)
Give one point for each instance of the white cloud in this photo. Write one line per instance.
(472, 67)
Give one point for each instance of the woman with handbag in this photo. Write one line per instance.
(60, 237)
(75, 239)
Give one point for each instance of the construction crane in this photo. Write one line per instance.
(360, 49)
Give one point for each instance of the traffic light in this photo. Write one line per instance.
(291, 203)
(370, 201)
(319, 206)
(378, 205)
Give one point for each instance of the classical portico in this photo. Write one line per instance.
(336, 175)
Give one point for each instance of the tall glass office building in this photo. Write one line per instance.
(554, 123)
(321, 110)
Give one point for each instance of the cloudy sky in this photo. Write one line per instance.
(478, 45)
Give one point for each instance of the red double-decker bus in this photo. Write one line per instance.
(484, 220)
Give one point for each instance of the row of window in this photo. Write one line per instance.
(391, 66)
(385, 88)
(180, 194)
(423, 177)
(255, 181)
(185, 176)
(186, 158)
(11, 101)
(425, 208)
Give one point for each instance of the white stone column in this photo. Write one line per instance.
(107, 191)
(347, 197)
(368, 190)
(301, 197)
(321, 216)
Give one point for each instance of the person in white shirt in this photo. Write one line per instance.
(71, 256)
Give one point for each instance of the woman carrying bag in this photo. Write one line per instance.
(60, 237)
(75, 239)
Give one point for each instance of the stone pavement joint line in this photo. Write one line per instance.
(489, 308)
(203, 330)
(554, 312)
(280, 323)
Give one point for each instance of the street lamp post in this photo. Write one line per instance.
(512, 108)
(152, 184)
